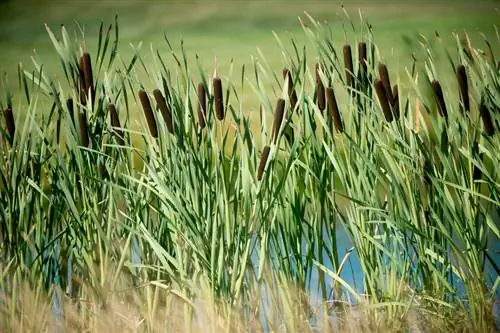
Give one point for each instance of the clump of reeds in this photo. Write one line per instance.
(292, 95)
(487, 121)
(218, 98)
(278, 117)
(438, 95)
(463, 88)
(84, 133)
(9, 122)
(115, 123)
(349, 72)
(148, 112)
(320, 90)
(202, 105)
(86, 76)
(382, 98)
(334, 110)
(263, 162)
(164, 109)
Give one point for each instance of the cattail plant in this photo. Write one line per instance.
(84, 133)
(487, 121)
(292, 95)
(218, 100)
(202, 105)
(9, 121)
(320, 90)
(382, 98)
(334, 110)
(148, 112)
(86, 71)
(278, 118)
(69, 105)
(463, 88)
(164, 109)
(438, 94)
(263, 162)
(115, 122)
(349, 72)
(395, 101)
(384, 77)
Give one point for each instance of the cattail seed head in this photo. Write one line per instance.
(320, 90)
(278, 117)
(87, 74)
(218, 99)
(292, 95)
(115, 123)
(463, 87)
(395, 101)
(438, 94)
(384, 77)
(487, 122)
(69, 105)
(148, 112)
(202, 105)
(334, 110)
(349, 72)
(164, 109)
(362, 57)
(84, 133)
(382, 98)
(9, 121)
(263, 162)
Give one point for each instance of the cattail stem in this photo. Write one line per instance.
(334, 110)
(263, 162)
(278, 118)
(292, 95)
(384, 77)
(487, 121)
(9, 121)
(148, 112)
(349, 72)
(164, 109)
(320, 90)
(382, 98)
(438, 94)
(463, 87)
(84, 133)
(115, 123)
(218, 98)
(202, 105)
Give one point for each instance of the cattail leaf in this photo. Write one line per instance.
(334, 110)
(148, 113)
(463, 88)
(218, 98)
(278, 117)
(164, 109)
(382, 98)
(202, 105)
(263, 162)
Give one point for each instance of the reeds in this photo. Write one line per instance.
(148, 113)
(349, 72)
(202, 105)
(292, 95)
(263, 161)
(218, 98)
(9, 122)
(334, 110)
(382, 98)
(115, 123)
(489, 130)
(278, 118)
(164, 109)
(463, 88)
(438, 95)
(320, 90)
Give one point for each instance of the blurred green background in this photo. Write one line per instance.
(235, 29)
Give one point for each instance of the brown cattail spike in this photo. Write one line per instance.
(292, 96)
(384, 77)
(148, 112)
(349, 72)
(487, 122)
(395, 101)
(115, 123)
(278, 117)
(87, 74)
(463, 87)
(438, 94)
(334, 110)
(382, 98)
(263, 162)
(202, 105)
(84, 133)
(69, 105)
(320, 90)
(218, 100)
(9, 121)
(362, 57)
(164, 109)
